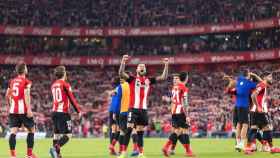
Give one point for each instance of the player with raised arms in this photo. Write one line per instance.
(259, 117)
(140, 86)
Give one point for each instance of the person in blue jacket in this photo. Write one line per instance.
(244, 87)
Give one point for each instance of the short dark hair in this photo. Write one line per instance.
(266, 73)
(20, 68)
(59, 71)
(183, 76)
(243, 71)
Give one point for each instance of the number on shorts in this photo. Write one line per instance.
(129, 118)
(69, 125)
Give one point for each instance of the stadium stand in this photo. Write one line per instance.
(134, 13)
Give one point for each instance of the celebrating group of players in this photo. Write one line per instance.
(129, 115)
(251, 112)
(129, 110)
(20, 110)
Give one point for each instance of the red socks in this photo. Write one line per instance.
(167, 145)
(123, 148)
(29, 152)
(141, 150)
(114, 141)
(173, 146)
(13, 153)
(135, 147)
(187, 147)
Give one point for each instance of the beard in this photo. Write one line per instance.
(142, 73)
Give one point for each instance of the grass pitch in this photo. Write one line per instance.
(97, 148)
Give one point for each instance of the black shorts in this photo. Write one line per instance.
(17, 120)
(62, 123)
(179, 121)
(235, 117)
(111, 119)
(260, 120)
(123, 122)
(242, 115)
(138, 117)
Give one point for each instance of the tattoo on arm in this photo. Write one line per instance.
(258, 78)
(254, 98)
(164, 74)
(121, 71)
(27, 97)
(186, 101)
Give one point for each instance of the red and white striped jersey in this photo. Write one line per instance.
(262, 106)
(16, 94)
(63, 96)
(139, 91)
(178, 93)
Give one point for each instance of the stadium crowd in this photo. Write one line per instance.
(210, 109)
(62, 46)
(133, 13)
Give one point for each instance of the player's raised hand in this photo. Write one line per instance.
(227, 77)
(125, 58)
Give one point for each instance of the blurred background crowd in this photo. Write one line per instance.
(134, 13)
(210, 108)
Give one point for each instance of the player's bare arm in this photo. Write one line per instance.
(185, 100)
(255, 76)
(186, 80)
(254, 97)
(7, 96)
(230, 79)
(28, 101)
(122, 73)
(164, 74)
(72, 99)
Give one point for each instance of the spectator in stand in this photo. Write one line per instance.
(209, 129)
(124, 13)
